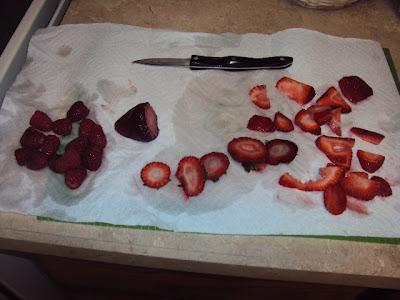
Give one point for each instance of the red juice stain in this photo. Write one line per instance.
(357, 206)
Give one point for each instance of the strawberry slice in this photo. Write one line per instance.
(355, 89)
(155, 174)
(333, 99)
(215, 164)
(283, 123)
(367, 135)
(335, 199)
(247, 150)
(359, 187)
(280, 151)
(321, 114)
(369, 161)
(260, 123)
(305, 121)
(337, 149)
(297, 91)
(334, 123)
(289, 181)
(385, 190)
(191, 175)
(258, 94)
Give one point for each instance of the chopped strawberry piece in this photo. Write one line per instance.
(337, 149)
(22, 156)
(92, 158)
(359, 187)
(77, 111)
(37, 160)
(68, 161)
(215, 164)
(335, 199)
(304, 120)
(247, 150)
(155, 174)
(78, 144)
(32, 139)
(97, 138)
(258, 167)
(384, 190)
(355, 89)
(334, 123)
(50, 145)
(289, 181)
(300, 92)
(41, 121)
(333, 99)
(260, 123)
(280, 151)
(369, 161)
(283, 123)
(258, 95)
(86, 126)
(321, 114)
(191, 175)
(367, 135)
(62, 127)
(74, 178)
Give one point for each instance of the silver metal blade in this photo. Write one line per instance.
(173, 62)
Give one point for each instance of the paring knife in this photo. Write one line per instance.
(227, 63)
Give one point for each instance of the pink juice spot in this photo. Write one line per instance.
(357, 206)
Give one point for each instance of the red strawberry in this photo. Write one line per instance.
(289, 181)
(258, 94)
(77, 111)
(92, 158)
(73, 178)
(78, 144)
(247, 150)
(385, 190)
(62, 126)
(333, 99)
(367, 135)
(37, 160)
(334, 123)
(337, 149)
(41, 121)
(52, 161)
(258, 167)
(97, 138)
(321, 114)
(155, 174)
(260, 123)
(359, 187)
(191, 175)
(280, 151)
(283, 123)
(32, 138)
(215, 164)
(68, 161)
(304, 120)
(355, 89)
(300, 92)
(22, 156)
(335, 199)
(369, 161)
(50, 145)
(86, 126)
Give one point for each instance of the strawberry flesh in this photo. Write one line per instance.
(334, 123)
(62, 127)
(335, 199)
(299, 92)
(280, 151)
(247, 150)
(283, 123)
(215, 164)
(155, 174)
(289, 181)
(191, 174)
(384, 190)
(359, 187)
(367, 135)
(321, 114)
(77, 111)
(258, 95)
(355, 89)
(337, 149)
(41, 121)
(305, 121)
(74, 178)
(369, 161)
(32, 139)
(333, 99)
(260, 123)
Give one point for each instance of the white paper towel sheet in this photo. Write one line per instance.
(198, 112)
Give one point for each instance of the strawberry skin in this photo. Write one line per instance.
(155, 174)
(22, 156)
(260, 123)
(337, 149)
(41, 121)
(367, 135)
(32, 139)
(321, 114)
(92, 158)
(247, 150)
(335, 199)
(78, 144)
(355, 89)
(62, 127)
(68, 161)
(334, 123)
(258, 95)
(97, 138)
(305, 121)
(37, 160)
(215, 164)
(50, 145)
(299, 92)
(359, 187)
(86, 126)
(77, 111)
(333, 99)
(280, 151)
(384, 190)
(191, 174)
(369, 161)
(283, 123)
(74, 178)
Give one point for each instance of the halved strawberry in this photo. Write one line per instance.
(321, 114)
(258, 94)
(355, 89)
(280, 151)
(359, 187)
(300, 92)
(384, 190)
(304, 120)
(282, 123)
(334, 123)
(155, 174)
(367, 135)
(369, 161)
(335, 199)
(260, 123)
(191, 175)
(333, 99)
(289, 181)
(215, 164)
(337, 149)
(247, 150)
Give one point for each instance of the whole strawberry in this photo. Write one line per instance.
(86, 126)
(74, 178)
(68, 161)
(41, 121)
(62, 127)
(78, 144)
(97, 138)
(32, 139)
(22, 156)
(50, 145)
(77, 111)
(37, 160)
(92, 158)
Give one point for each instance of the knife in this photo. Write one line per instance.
(227, 63)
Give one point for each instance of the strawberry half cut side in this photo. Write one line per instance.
(258, 95)
(333, 99)
(367, 135)
(283, 123)
(321, 114)
(191, 174)
(305, 121)
(155, 174)
(297, 91)
(334, 123)
(215, 164)
(280, 151)
(360, 187)
(247, 150)
(337, 149)
(369, 161)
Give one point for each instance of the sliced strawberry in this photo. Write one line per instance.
(359, 187)
(37, 160)
(22, 156)
(258, 167)
(305, 121)
(68, 161)
(283, 123)
(333, 99)
(155, 174)
(74, 178)
(280, 151)
(62, 126)
(41, 121)
(77, 111)
(258, 94)
(50, 145)
(289, 181)
(321, 114)
(247, 150)
(86, 126)
(367, 135)
(334, 123)
(355, 89)
(337, 149)
(384, 190)
(260, 123)
(215, 164)
(191, 175)
(369, 161)
(335, 199)
(32, 139)
(300, 92)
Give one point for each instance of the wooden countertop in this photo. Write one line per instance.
(281, 258)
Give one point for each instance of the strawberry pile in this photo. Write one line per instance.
(83, 153)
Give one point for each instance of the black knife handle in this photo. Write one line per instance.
(239, 63)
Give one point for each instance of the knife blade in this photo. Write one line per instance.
(226, 63)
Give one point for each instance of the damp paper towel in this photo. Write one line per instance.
(198, 112)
